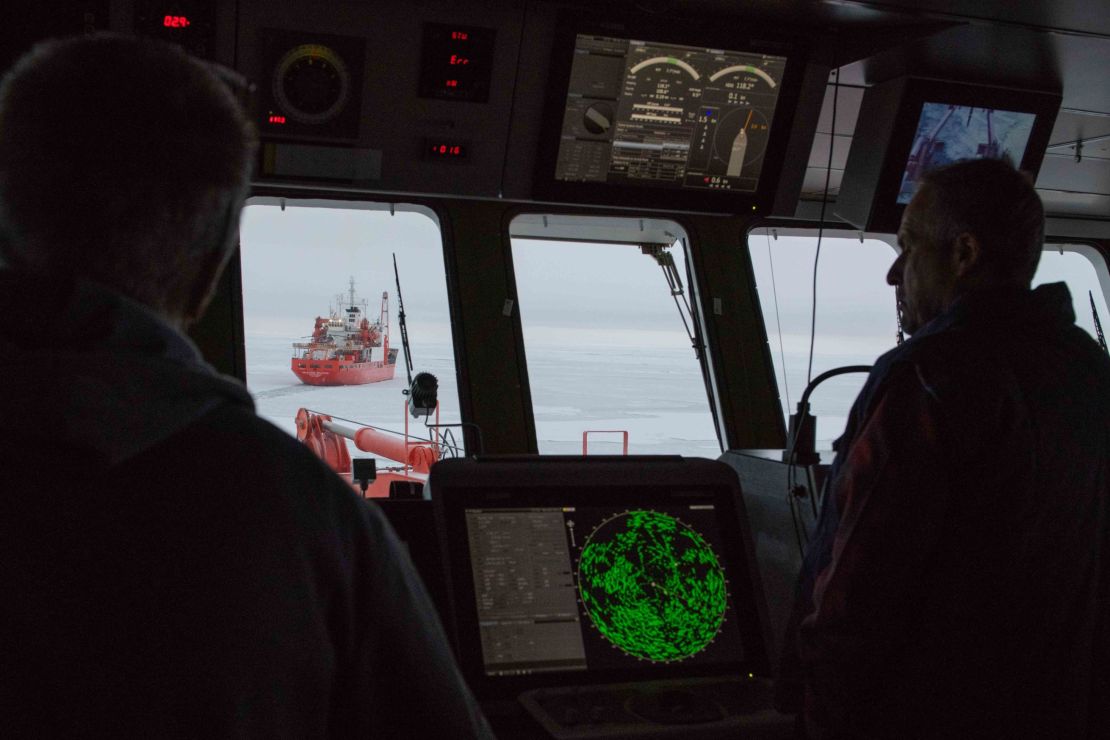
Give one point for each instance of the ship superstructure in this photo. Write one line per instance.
(346, 348)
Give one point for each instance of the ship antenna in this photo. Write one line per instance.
(1098, 324)
(352, 292)
(401, 322)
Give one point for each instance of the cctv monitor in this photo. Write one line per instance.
(948, 133)
(910, 126)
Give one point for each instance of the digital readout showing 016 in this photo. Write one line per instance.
(445, 150)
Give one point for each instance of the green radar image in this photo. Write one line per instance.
(652, 586)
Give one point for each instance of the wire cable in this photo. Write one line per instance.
(778, 323)
(803, 408)
(821, 226)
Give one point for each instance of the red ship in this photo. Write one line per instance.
(346, 348)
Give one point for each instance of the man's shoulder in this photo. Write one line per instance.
(233, 450)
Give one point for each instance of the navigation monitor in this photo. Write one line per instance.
(665, 115)
(586, 581)
(950, 133)
(574, 588)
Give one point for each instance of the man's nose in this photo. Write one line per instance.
(894, 274)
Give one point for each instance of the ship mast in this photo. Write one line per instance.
(351, 292)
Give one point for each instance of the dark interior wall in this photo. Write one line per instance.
(489, 346)
(746, 388)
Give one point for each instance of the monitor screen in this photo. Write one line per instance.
(950, 133)
(610, 588)
(666, 115)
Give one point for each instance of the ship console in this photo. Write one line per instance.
(614, 597)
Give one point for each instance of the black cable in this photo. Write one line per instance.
(803, 404)
(803, 409)
(778, 321)
(463, 425)
(821, 226)
(791, 476)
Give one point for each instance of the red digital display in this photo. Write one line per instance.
(456, 62)
(175, 21)
(440, 149)
(277, 119)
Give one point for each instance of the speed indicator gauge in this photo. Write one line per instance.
(663, 79)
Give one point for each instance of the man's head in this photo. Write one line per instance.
(126, 162)
(971, 225)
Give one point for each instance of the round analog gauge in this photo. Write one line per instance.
(660, 88)
(311, 83)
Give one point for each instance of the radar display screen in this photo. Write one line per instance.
(950, 133)
(591, 588)
(665, 115)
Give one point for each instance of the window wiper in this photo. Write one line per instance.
(665, 260)
(1098, 324)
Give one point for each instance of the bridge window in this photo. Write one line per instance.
(298, 261)
(856, 309)
(606, 346)
(1084, 271)
(856, 319)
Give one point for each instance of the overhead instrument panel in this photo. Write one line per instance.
(666, 115)
(314, 86)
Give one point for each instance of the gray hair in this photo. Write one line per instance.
(122, 160)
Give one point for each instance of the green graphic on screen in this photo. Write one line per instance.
(652, 586)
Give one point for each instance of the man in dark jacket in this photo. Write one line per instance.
(957, 585)
(170, 564)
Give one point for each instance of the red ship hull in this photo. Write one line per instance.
(343, 372)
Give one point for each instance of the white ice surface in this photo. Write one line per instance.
(655, 393)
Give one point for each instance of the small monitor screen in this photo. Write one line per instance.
(668, 116)
(950, 133)
(577, 588)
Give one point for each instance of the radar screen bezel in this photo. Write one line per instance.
(615, 485)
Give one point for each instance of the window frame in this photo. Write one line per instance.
(561, 221)
(340, 200)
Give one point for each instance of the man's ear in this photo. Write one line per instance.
(212, 264)
(204, 286)
(967, 254)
